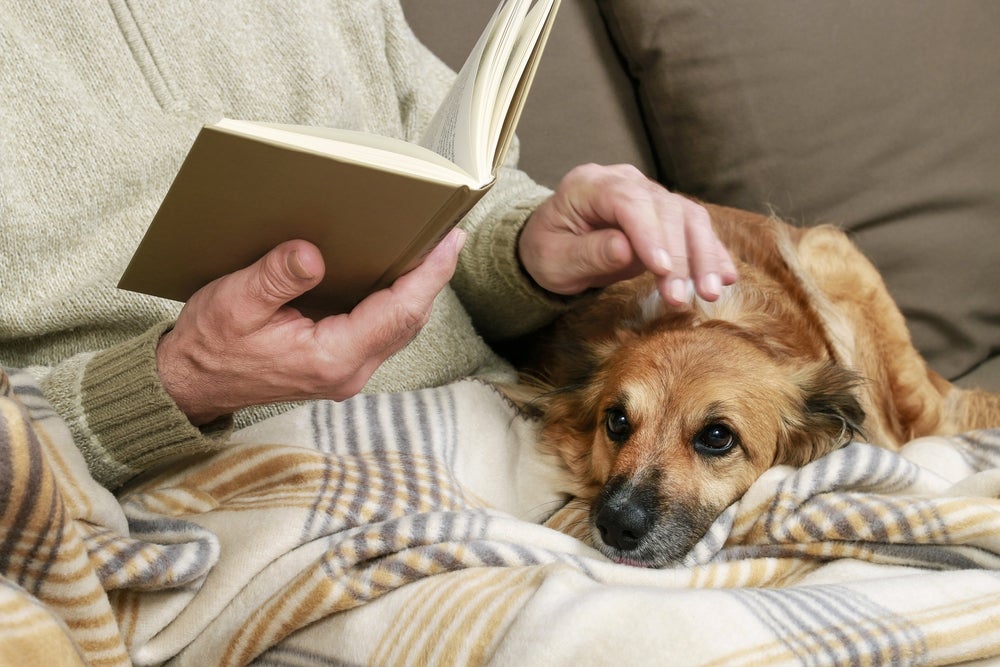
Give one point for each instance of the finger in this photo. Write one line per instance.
(729, 272)
(710, 263)
(425, 281)
(596, 259)
(647, 218)
(718, 272)
(705, 262)
(256, 293)
(675, 286)
(674, 290)
(653, 220)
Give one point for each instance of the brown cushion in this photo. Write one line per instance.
(883, 117)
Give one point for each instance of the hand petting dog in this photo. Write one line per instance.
(604, 224)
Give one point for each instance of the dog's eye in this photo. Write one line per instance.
(714, 439)
(617, 425)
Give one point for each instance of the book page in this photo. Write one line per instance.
(522, 78)
(457, 131)
(386, 152)
(524, 49)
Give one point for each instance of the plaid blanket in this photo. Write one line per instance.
(425, 528)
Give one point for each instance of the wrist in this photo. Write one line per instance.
(519, 253)
(185, 381)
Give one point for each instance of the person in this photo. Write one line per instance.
(100, 106)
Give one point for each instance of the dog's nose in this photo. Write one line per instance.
(622, 525)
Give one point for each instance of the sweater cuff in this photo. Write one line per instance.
(129, 423)
(501, 297)
(504, 238)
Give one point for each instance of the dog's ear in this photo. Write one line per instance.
(569, 403)
(826, 414)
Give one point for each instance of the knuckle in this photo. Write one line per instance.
(270, 283)
(700, 216)
(340, 379)
(346, 389)
(623, 177)
(410, 318)
(672, 208)
(402, 322)
(635, 196)
(588, 171)
(628, 171)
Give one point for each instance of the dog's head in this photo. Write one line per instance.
(665, 426)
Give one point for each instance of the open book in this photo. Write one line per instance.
(375, 206)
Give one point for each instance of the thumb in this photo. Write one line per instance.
(286, 272)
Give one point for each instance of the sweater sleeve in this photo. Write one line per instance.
(121, 417)
(501, 298)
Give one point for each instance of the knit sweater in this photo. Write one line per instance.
(101, 101)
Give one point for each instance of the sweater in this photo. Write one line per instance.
(102, 100)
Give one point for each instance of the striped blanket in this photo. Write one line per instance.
(425, 528)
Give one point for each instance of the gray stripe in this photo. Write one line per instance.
(809, 621)
(980, 449)
(428, 424)
(318, 418)
(55, 525)
(403, 406)
(355, 408)
(390, 435)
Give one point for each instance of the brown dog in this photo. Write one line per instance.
(666, 415)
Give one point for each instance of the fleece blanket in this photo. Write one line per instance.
(426, 528)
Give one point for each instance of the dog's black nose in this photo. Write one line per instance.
(622, 525)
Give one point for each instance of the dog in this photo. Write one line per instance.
(665, 416)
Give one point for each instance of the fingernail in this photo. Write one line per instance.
(680, 290)
(732, 275)
(712, 284)
(663, 259)
(460, 239)
(296, 268)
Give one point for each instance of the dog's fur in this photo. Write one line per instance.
(665, 416)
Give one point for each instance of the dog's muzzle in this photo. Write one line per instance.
(625, 512)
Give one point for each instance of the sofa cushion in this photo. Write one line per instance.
(881, 117)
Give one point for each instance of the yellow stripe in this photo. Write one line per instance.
(126, 606)
(488, 618)
(960, 627)
(77, 502)
(752, 573)
(305, 599)
(427, 597)
(457, 618)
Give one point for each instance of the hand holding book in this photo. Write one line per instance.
(237, 344)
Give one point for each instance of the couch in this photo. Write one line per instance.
(881, 118)
(427, 527)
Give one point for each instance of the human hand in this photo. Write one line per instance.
(237, 343)
(605, 224)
